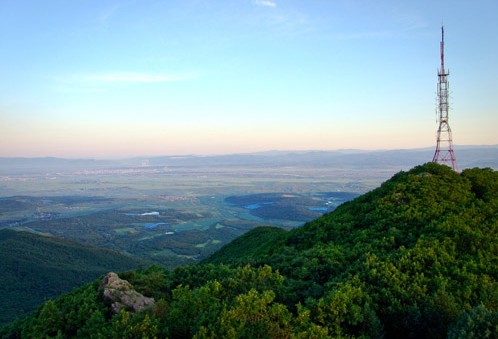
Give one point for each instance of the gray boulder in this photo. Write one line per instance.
(120, 295)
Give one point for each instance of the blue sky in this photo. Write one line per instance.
(85, 78)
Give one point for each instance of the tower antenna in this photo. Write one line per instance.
(444, 153)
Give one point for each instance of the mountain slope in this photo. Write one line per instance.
(429, 201)
(35, 268)
(414, 258)
(423, 245)
(255, 243)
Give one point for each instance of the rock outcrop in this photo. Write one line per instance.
(120, 295)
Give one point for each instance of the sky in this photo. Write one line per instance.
(110, 79)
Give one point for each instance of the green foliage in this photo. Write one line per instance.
(415, 258)
(265, 237)
(127, 326)
(484, 183)
(254, 315)
(479, 322)
(78, 313)
(346, 309)
(192, 309)
(35, 268)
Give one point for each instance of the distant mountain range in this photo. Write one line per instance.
(467, 157)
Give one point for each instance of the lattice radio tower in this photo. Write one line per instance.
(444, 149)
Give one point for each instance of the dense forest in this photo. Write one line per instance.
(35, 267)
(414, 258)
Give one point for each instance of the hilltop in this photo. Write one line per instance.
(415, 257)
(36, 268)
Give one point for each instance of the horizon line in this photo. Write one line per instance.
(240, 153)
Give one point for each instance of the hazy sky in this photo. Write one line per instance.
(100, 78)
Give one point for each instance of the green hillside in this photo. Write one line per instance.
(414, 258)
(254, 244)
(35, 268)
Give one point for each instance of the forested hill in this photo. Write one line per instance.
(34, 268)
(415, 258)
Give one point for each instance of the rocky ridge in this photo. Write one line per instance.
(120, 295)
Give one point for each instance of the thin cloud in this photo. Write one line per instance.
(107, 14)
(265, 3)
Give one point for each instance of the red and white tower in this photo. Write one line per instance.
(444, 149)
